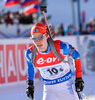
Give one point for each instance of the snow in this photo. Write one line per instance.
(16, 91)
(89, 88)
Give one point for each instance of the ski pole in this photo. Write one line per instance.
(31, 98)
(43, 9)
(85, 96)
(79, 95)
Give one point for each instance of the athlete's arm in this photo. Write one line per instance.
(30, 68)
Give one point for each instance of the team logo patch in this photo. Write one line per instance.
(36, 30)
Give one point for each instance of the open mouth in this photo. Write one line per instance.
(39, 45)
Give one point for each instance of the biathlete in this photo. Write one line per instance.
(56, 75)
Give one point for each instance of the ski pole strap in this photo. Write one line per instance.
(52, 46)
(33, 54)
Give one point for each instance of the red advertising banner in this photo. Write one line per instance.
(2, 66)
(21, 61)
(13, 64)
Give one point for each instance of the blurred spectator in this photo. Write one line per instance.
(90, 27)
(25, 19)
(8, 20)
(70, 30)
(16, 19)
(61, 29)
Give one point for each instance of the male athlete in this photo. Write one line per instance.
(56, 74)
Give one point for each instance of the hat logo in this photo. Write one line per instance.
(36, 30)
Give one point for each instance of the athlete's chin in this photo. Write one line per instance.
(40, 49)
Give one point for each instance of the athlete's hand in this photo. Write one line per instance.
(79, 84)
(30, 89)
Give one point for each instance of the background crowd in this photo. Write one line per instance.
(16, 18)
(20, 18)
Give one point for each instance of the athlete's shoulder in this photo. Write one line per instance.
(29, 51)
(31, 48)
(57, 44)
(62, 44)
(57, 41)
(66, 47)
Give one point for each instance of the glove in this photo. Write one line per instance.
(30, 89)
(79, 84)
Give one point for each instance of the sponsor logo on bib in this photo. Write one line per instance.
(41, 60)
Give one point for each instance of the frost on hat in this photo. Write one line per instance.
(38, 28)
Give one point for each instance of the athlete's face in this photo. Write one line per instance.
(40, 41)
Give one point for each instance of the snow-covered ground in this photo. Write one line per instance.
(89, 88)
(16, 91)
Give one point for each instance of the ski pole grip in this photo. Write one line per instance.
(43, 8)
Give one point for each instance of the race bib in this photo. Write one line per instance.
(54, 71)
